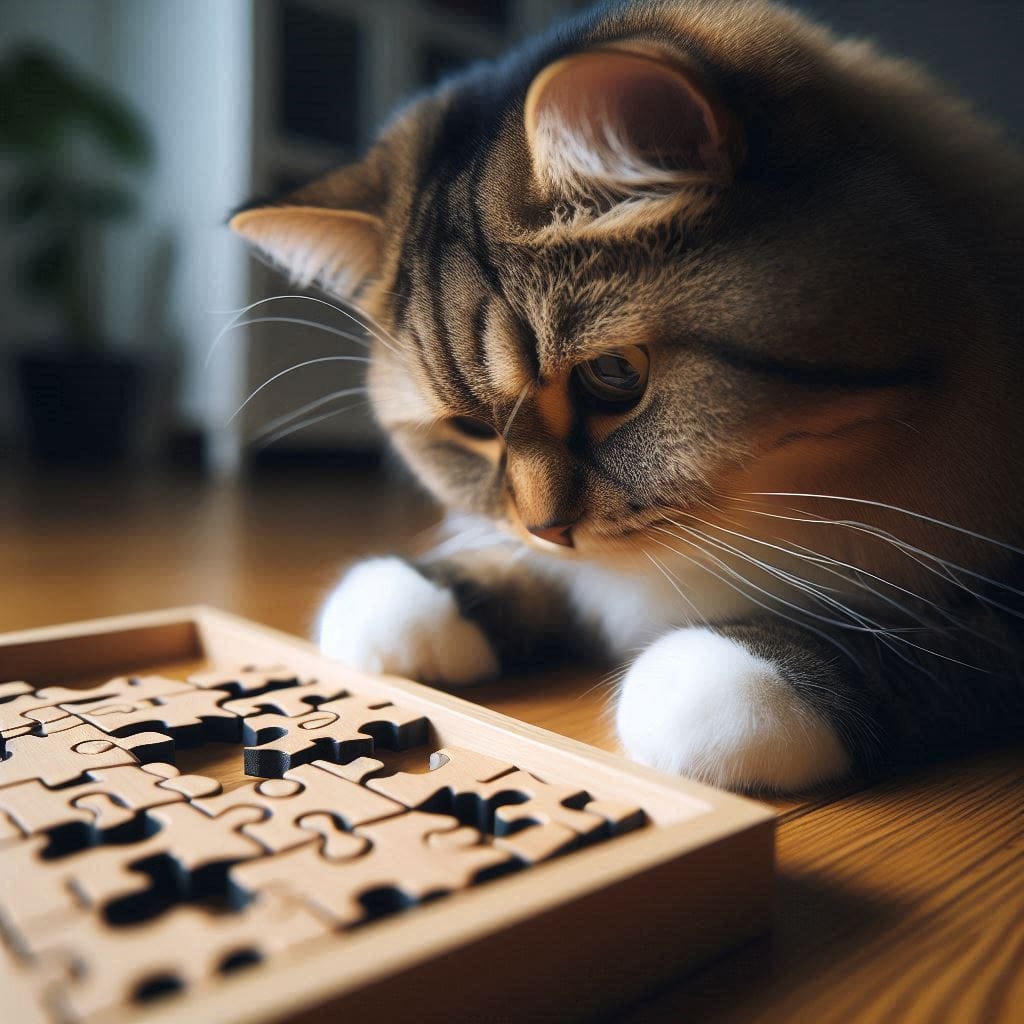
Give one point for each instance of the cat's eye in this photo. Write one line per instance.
(619, 376)
(480, 430)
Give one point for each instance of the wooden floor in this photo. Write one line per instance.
(903, 901)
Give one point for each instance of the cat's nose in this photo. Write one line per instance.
(557, 533)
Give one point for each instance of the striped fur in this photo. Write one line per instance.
(823, 261)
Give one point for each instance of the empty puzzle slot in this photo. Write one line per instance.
(156, 987)
(76, 836)
(239, 961)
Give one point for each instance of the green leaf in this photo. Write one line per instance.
(101, 202)
(42, 100)
(28, 198)
(47, 270)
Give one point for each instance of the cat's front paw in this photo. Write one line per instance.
(697, 703)
(384, 617)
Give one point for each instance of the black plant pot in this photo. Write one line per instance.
(81, 408)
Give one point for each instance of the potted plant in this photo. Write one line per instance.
(73, 145)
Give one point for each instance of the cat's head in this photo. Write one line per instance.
(676, 252)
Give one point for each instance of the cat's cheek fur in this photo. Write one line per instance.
(697, 703)
(384, 617)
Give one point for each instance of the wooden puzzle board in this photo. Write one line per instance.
(201, 818)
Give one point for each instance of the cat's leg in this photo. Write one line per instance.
(752, 706)
(451, 622)
(765, 704)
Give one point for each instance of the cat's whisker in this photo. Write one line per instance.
(292, 369)
(769, 570)
(676, 584)
(238, 314)
(941, 567)
(884, 635)
(280, 421)
(768, 608)
(515, 410)
(827, 564)
(893, 508)
(294, 428)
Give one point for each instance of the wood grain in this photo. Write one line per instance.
(901, 902)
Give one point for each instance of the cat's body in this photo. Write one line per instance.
(718, 321)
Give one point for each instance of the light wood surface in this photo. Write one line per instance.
(901, 901)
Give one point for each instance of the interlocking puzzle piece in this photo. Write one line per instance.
(15, 688)
(248, 680)
(293, 701)
(304, 791)
(38, 711)
(543, 819)
(190, 717)
(28, 713)
(337, 844)
(107, 968)
(534, 819)
(64, 756)
(131, 688)
(22, 1000)
(128, 789)
(452, 771)
(405, 863)
(98, 876)
(357, 771)
(339, 730)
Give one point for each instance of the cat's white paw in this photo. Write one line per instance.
(697, 703)
(384, 617)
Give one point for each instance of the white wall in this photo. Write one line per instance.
(186, 66)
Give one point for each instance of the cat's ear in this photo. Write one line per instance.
(626, 122)
(327, 233)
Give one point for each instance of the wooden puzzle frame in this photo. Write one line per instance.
(578, 935)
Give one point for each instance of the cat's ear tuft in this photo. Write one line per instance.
(626, 122)
(340, 250)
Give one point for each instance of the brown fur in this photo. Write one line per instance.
(839, 311)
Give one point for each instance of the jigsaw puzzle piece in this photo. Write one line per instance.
(304, 791)
(15, 688)
(22, 1001)
(405, 863)
(193, 845)
(66, 755)
(248, 680)
(338, 731)
(130, 688)
(452, 771)
(336, 843)
(107, 968)
(294, 701)
(39, 711)
(535, 820)
(37, 808)
(357, 771)
(190, 718)
(28, 714)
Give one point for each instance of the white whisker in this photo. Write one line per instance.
(773, 611)
(515, 410)
(266, 442)
(893, 508)
(280, 421)
(292, 369)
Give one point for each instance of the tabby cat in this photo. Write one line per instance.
(708, 327)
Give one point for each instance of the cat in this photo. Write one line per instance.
(709, 324)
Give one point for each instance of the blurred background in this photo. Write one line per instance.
(131, 474)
